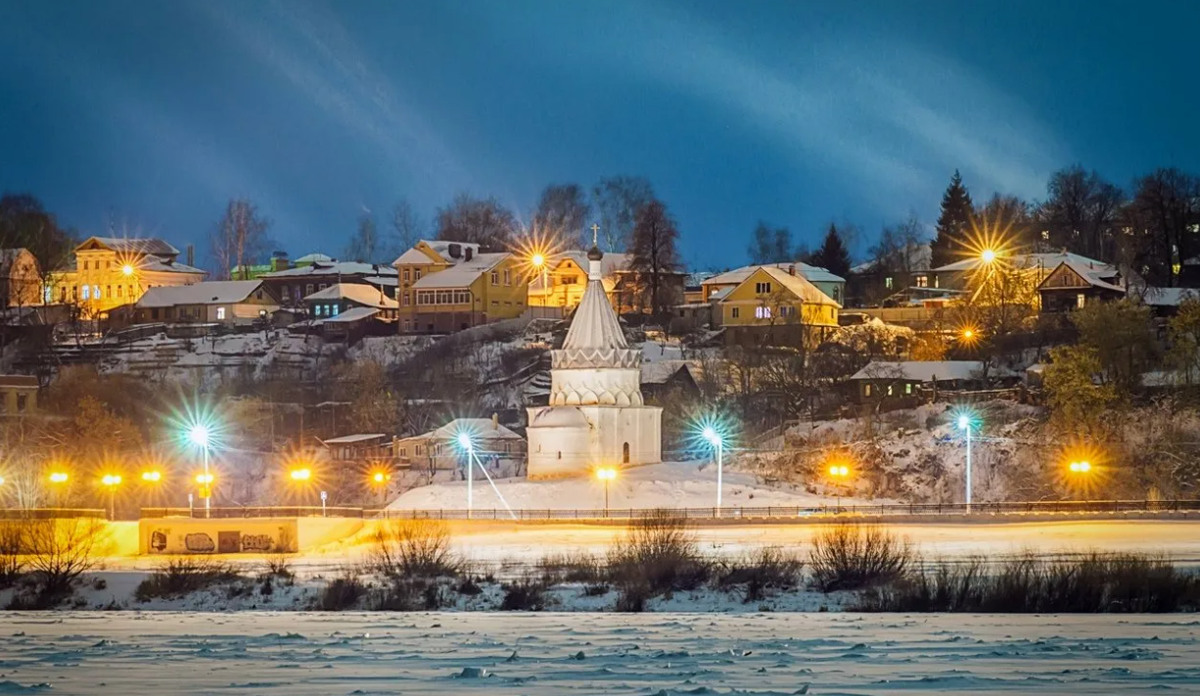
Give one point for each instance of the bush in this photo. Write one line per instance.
(527, 594)
(571, 567)
(632, 598)
(181, 576)
(11, 563)
(59, 551)
(767, 568)
(1095, 583)
(341, 594)
(468, 587)
(414, 548)
(852, 557)
(658, 553)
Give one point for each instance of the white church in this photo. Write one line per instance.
(596, 415)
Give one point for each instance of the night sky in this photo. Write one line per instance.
(155, 113)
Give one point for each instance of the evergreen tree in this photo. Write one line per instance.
(953, 222)
(833, 255)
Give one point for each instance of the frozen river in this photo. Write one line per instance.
(131, 654)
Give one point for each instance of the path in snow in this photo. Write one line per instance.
(132, 654)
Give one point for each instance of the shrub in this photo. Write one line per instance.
(11, 562)
(469, 587)
(632, 598)
(852, 557)
(343, 593)
(658, 552)
(181, 576)
(527, 594)
(767, 568)
(413, 548)
(59, 551)
(577, 567)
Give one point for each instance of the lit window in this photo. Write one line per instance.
(921, 281)
(1080, 300)
(908, 388)
(220, 313)
(867, 389)
(95, 292)
(336, 309)
(87, 292)
(762, 312)
(1045, 235)
(887, 282)
(889, 391)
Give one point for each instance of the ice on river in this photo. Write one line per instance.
(131, 654)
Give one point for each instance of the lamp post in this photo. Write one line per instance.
(606, 474)
(839, 473)
(58, 480)
(965, 424)
(714, 438)
(200, 437)
(1082, 469)
(380, 479)
(464, 441)
(111, 481)
(538, 261)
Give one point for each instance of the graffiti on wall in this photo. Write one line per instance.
(228, 541)
(199, 542)
(158, 541)
(257, 542)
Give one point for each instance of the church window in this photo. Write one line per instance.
(625, 453)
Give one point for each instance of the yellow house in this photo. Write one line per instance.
(111, 272)
(773, 305)
(450, 286)
(562, 282)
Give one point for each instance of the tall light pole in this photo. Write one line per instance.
(464, 441)
(964, 423)
(714, 438)
(606, 474)
(111, 481)
(200, 437)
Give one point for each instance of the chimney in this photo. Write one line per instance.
(792, 269)
(495, 421)
(191, 255)
(468, 253)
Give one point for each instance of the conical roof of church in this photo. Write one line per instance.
(595, 338)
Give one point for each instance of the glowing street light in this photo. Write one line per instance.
(465, 443)
(111, 481)
(966, 423)
(200, 436)
(606, 474)
(301, 475)
(1081, 467)
(152, 476)
(59, 477)
(988, 255)
(718, 442)
(127, 269)
(380, 479)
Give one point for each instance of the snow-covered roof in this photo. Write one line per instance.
(154, 247)
(797, 285)
(156, 265)
(387, 282)
(921, 371)
(1048, 262)
(352, 439)
(350, 316)
(920, 258)
(475, 427)
(334, 269)
(463, 273)
(661, 372)
(413, 255)
(213, 292)
(314, 258)
(1099, 275)
(813, 274)
(366, 295)
(441, 247)
(1169, 297)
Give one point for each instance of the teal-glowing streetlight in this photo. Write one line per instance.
(966, 423)
(200, 436)
(717, 440)
(466, 445)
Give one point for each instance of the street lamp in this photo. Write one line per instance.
(301, 475)
(127, 269)
(464, 442)
(152, 476)
(200, 436)
(839, 473)
(966, 424)
(111, 481)
(606, 474)
(380, 479)
(988, 255)
(718, 442)
(205, 483)
(59, 477)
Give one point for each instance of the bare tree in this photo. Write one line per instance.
(1164, 210)
(653, 252)
(240, 237)
(1081, 212)
(480, 221)
(62, 550)
(406, 224)
(562, 214)
(364, 246)
(618, 200)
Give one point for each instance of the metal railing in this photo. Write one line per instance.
(777, 512)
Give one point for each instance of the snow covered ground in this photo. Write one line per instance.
(670, 484)
(134, 653)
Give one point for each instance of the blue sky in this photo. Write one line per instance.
(798, 113)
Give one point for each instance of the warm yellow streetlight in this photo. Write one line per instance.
(151, 476)
(537, 260)
(127, 269)
(111, 481)
(59, 477)
(1080, 467)
(606, 474)
(988, 255)
(301, 474)
(204, 479)
(839, 471)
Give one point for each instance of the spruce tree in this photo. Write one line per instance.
(833, 256)
(953, 222)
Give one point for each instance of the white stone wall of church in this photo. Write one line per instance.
(564, 452)
(618, 387)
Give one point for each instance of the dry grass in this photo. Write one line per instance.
(659, 553)
(853, 557)
(181, 576)
(413, 549)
